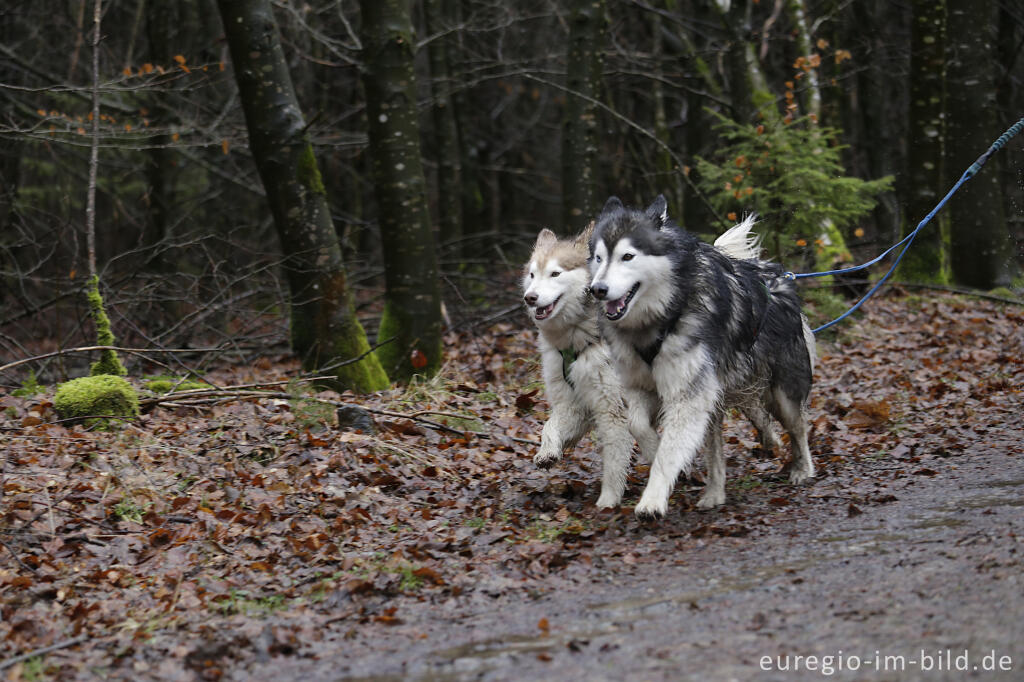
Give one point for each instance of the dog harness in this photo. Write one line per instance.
(569, 356)
(648, 353)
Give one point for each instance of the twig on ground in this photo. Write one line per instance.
(45, 650)
(83, 349)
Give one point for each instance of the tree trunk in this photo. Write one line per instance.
(160, 170)
(802, 35)
(748, 87)
(412, 309)
(324, 328)
(439, 14)
(926, 259)
(580, 186)
(981, 251)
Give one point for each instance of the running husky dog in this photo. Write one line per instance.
(580, 379)
(694, 331)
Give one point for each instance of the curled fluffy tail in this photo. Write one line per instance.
(739, 242)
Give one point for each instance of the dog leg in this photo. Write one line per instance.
(686, 417)
(563, 429)
(616, 445)
(643, 411)
(714, 486)
(761, 420)
(793, 418)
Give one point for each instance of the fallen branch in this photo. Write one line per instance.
(45, 650)
(203, 396)
(84, 349)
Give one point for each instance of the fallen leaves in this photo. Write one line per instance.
(250, 513)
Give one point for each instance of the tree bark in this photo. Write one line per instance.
(412, 309)
(926, 261)
(580, 186)
(439, 15)
(981, 250)
(748, 87)
(802, 35)
(324, 328)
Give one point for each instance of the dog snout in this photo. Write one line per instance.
(530, 298)
(599, 290)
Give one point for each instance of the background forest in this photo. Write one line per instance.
(517, 116)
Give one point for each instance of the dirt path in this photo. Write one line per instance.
(920, 567)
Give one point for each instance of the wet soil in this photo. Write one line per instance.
(919, 579)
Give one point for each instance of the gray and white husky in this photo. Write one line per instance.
(694, 331)
(580, 378)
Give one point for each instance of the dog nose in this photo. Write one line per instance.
(599, 290)
(530, 298)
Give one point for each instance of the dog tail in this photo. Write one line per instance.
(739, 242)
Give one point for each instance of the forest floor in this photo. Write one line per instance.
(249, 536)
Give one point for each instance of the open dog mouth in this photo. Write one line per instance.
(544, 312)
(614, 310)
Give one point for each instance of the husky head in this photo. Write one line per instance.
(556, 278)
(632, 257)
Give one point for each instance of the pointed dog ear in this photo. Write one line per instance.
(582, 240)
(658, 210)
(545, 238)
(613, 204)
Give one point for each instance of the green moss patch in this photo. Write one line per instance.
(165, 384)
(96, 396)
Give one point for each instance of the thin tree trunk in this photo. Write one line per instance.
(926, 261)
(109, 362)
(802, 34)
(412, 309)
(981, 250)
(439, 15)
(324, 328)
(94, 147)
(668, 181)
(748, 87)
(580, 186)
(159, 166)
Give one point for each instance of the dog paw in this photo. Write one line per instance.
(648, 510)
(608, 500)
(710, 500)
(797, 476)
(545, 459)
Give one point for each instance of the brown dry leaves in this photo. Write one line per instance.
(258, 517)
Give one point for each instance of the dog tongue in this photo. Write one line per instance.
(612, 307)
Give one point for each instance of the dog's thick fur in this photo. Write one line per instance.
(586, 393)
(692, 332)
(583, 392)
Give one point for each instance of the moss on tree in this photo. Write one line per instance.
(309, 172)
(108, 363)
(397, 355)
(96, 396)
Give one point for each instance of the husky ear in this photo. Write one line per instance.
(613, 204)
(582, 240)
(658, 210)
(545, 238)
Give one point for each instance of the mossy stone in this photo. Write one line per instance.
(96, 396)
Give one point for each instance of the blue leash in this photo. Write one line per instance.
(909, 239)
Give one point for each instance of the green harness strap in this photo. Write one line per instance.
(568, 357)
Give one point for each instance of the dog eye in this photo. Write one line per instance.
(556, 273)
(531, 275)
(627, 256)
(597, 259)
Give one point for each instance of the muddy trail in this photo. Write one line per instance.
(253, 534)
(899, 585)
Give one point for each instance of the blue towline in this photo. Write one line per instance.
(909, 239)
